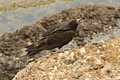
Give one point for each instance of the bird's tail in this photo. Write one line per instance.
(32, 50)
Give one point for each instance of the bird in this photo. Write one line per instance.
(56, 37)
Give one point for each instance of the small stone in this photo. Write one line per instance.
(110, 27)
(55, 68)
(118, 78)
(102, 41)
(54, 57)
(68, 61)
(24, 52)
(102, 57)
(66, 52)
(119, 51)
(69, 67)
(78, 74)
(99, 61)
(29, 43)
(1, 54)
(112, 45)
(3, 60)
(73, 56)
(87, 79)
(88, 58)
(104, 45)
(11, 66)
(95, 66)
(98, 51)
(61, 54)
(118, 59)
(82, 50)
(42, 68)
(107, 66)
(50, 73)
(75, 64)
(44, 78)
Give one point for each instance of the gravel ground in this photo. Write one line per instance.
(98, 19)
(98, 61)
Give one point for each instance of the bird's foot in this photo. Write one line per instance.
(61, 50)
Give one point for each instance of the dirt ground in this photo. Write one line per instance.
(94, 59)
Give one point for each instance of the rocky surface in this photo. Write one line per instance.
(97, 61)
(97, 19)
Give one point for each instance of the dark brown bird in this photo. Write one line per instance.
(55, 38)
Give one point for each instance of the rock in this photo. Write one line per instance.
(91, 65)
(78, 74)
(118, 59)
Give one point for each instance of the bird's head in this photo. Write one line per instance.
(80, 23)
(73, 24)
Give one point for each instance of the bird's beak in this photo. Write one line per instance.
(80, 23)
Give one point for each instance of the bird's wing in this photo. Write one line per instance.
(58, 28)
(45, 34)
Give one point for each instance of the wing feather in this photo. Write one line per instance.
(56, 29)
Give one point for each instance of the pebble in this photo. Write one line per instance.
(107, 67)
(61, 54)
(66, 53)
(95, 66)
(68, 61)
(118, 78)
(24, 52)
(3, 60)
(76, 63)
(77, 74)
(1, 54)
(82, 50)
(118, 59)
(69, 67)
(102, 57)
(55, 68)
(104, 45)
(44, 78)
(29, 43)
(98, 51)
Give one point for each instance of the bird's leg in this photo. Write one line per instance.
(60, 50)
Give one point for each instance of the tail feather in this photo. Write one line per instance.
(29, 46)
(31, 49)
(33, 52)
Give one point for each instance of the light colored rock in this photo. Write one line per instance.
(95, 63)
